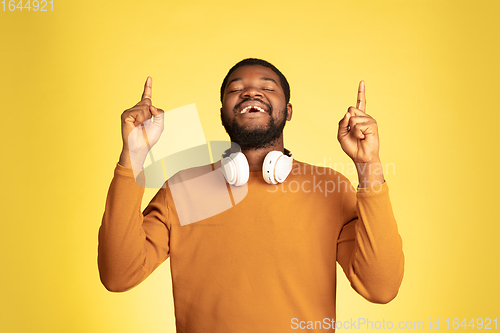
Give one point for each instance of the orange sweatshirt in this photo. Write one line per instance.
(265, 263)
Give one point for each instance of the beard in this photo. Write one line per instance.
(258, 137)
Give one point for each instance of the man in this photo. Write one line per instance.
(268, 264)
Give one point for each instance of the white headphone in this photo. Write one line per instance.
(276, 167)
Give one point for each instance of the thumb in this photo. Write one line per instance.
(344, 126)
(155, 111)
(158, 115)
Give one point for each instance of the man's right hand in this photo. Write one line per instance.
(139, 133)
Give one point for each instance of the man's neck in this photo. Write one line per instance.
(256, 157)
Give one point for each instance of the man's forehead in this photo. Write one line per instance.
(249, 71)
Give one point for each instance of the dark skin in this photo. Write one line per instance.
(262, 84)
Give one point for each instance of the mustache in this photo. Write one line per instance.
(268, 106)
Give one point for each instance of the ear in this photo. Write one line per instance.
(290, 111)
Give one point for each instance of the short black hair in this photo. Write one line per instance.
(257, 62)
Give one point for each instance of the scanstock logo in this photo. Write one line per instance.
(190, 166)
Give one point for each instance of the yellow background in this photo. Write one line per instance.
(431, 70)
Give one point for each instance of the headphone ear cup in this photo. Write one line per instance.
(228, 169)
(283, 168)
(235, 169)
(276, 167)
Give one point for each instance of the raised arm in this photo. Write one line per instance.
(369, 247)
(132, 244)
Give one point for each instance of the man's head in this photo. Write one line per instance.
(255, 103)
(257, 62)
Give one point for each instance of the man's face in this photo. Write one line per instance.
(254, 110)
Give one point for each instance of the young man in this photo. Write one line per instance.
(268, 263)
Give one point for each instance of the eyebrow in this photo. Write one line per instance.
(262, 79)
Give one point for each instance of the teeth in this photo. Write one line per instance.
(248, 108)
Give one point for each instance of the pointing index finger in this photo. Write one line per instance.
(148, 88)
(361, 103)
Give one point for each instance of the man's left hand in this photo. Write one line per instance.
(358, 132)
(358, 137)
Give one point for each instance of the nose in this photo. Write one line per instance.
(251, 92)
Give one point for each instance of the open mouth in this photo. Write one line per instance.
(252, 109)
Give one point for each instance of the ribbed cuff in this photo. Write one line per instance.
(373, 190)
(120, 169)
